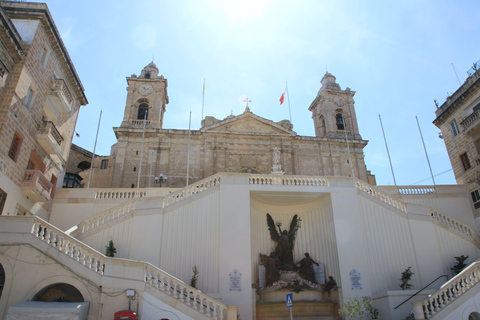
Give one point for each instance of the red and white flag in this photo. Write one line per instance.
(282, 98)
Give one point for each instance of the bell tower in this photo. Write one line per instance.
(147, 96)
(333, 111)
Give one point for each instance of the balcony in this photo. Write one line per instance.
(36, 186)
(471, 122)
(60, 97)
(49, 138)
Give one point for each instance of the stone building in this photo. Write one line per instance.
(40, 94)
(459, 121)
(242, 143)
(52, 261)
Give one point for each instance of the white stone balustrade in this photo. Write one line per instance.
(120, 193)
(310, 181)
(452, 223)
(191, 190)
(70, 246)
(416, 190)
(184, 293)
(107, 217)
(374, 192)
(450, 291)
(99, 263)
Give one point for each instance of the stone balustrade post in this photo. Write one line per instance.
(418, 310)
(232, 312)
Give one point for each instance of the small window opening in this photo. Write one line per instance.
(142, 111)
(104, 164)
(476, 198)
(15, 147)
(133, 186)
(340, 122)
(29, 98)
(454, 128)
(136, 153)
(147, 75)
(134, 168)
(465, 161)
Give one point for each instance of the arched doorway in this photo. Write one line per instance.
(59, 292)
(474, 316)
(2, 279)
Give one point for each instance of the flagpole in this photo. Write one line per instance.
(388, 153)
(424, 148)
(188, 150)
(288, 98)
(94, 148)
(141, 150)
(203, 96)
(348, 147)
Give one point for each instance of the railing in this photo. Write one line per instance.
(139, 122)
(452, 223)
(416, 190)
(120, 194)
(449, 292)
(416, 293)
(470, 120)
(59, 86)
(49, 128)
(107, 217)
(288, 180)
(99, 263)
(183, 293)
(68, 245)
(374, 192)
(36, 183)
(191, 190)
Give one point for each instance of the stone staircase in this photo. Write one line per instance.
(51, 240)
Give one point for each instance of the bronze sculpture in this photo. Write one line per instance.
(285, 240)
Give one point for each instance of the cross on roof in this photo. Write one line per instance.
(247, 101)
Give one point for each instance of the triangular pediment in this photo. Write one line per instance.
(248, 123)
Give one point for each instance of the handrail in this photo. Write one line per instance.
(99, 263)
(191, 190)
(450, 291)
(444, 275)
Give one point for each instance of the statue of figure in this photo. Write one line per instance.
(306, 268)
(330, 285)
(272, 274)
(285, 239)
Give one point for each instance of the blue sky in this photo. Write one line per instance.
(396, 55)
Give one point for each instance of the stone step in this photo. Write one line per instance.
(300, 311)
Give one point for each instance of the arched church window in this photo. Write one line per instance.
(142, 110)
(2, 279)
(340, 121)
(147, 75)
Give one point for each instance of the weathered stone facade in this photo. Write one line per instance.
(242, 143)
(459, 120)
(40, 96)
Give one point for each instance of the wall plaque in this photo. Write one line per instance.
(261, 276)
(319, 273)
(355, 280)
(235, 280)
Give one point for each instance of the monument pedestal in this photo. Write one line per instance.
(308, 304)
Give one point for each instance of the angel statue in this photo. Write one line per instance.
(285, 239)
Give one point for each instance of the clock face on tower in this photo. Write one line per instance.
(145, 89)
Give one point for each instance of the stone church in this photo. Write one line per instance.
(243, 143)
(208, 249)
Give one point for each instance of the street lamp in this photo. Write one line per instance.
(161, 179)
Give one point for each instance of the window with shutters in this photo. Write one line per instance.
(465, 161)
(15, 147)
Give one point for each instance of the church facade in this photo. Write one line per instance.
(242, 143)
